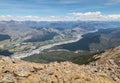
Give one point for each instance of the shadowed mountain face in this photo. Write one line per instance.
(5, 52)
(98, 41)
(82, 44)
(4, 37)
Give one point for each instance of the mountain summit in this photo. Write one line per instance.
(105, 69)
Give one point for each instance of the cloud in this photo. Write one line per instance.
(91, 14)
(87, 16)
(98, 16)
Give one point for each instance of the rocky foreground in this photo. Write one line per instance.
(105, 69)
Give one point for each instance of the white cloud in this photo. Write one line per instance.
(88, 16)
(98, 16)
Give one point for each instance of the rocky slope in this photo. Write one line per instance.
(105, 69)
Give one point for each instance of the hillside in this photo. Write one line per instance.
(105, 69)
(98, 41)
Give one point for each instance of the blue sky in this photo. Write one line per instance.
(57, 7)
(44, 8)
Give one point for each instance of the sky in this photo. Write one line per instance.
(55, 10)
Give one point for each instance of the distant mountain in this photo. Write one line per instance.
(39, 31)
(90, 25)
(98, 41)
(107, 40)
(19, 30)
